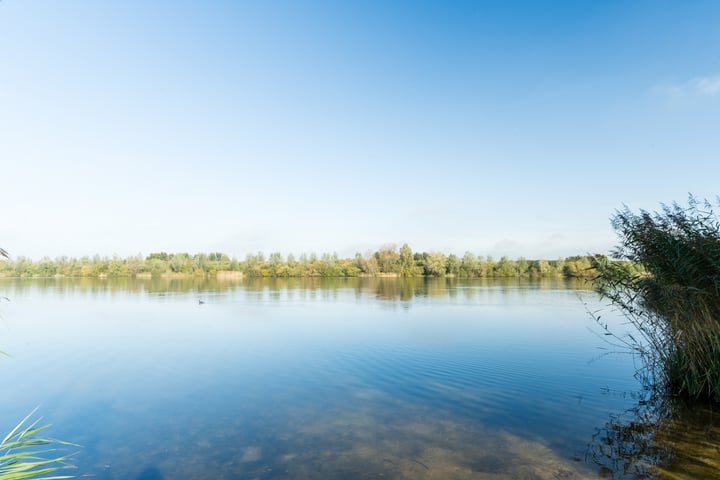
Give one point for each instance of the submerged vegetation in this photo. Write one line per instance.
(387, 261)
(658, 437)
(674, 300)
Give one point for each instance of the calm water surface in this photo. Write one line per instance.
(358, 378)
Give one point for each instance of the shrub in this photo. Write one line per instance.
(673, 299)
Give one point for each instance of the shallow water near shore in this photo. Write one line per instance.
(341, 378)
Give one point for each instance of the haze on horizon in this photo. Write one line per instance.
(501, 128)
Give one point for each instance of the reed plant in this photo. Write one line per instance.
(665, 276)
(24, 451)
(26, 454)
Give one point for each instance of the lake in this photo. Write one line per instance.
(338, 379)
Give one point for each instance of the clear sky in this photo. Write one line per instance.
(502, 128)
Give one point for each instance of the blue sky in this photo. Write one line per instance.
(502, 128)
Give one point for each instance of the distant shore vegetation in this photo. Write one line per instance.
(387, 261)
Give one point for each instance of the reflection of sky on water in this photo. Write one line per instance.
(274, 380)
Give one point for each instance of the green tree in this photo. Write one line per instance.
(505, 267)
(407, 262)
(372, 265)
(469, 264)
(276, 264)
(360, 262)
(117, 267)
(436, 264)
(157, 266)
(543, 268)
(135, 265)
(488, 266)
(523, 266)
(348, 268)
(46, 268)
(453, 264)
(329, 265)
(181, 263)
(578, 266)
(388, 259)
(200, 263)
(253, 264)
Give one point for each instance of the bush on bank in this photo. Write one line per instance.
(673, 299)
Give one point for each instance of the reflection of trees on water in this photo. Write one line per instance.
(659, 438)
(391, 289)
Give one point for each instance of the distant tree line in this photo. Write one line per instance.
(386, 261)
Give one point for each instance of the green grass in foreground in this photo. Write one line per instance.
(26, 454)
